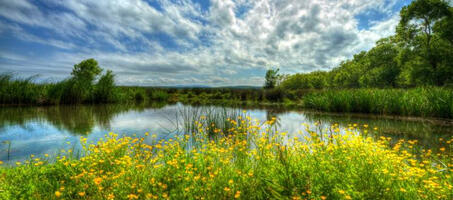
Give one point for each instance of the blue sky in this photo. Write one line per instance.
(188, 42)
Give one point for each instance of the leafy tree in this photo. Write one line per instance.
(349, 72)
(445, 27)
(83, 77)
(416, 28)
(105, 90)
(86, 71)
(380, 66)
(421, 53)
(297, 81)
(272, 78)
(79, 87)
(418, 18)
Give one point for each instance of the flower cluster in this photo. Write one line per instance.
(251, 161)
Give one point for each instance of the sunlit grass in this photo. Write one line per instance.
(426, 102)
(250, 161)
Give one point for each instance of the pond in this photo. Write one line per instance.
(46, 130)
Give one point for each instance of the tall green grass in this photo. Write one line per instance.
(218, 120)
(25, 91)
(424, 101)
(20, 91)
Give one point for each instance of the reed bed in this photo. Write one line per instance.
(26, 91)
(20, 91)
(424, 101)
(218, 120)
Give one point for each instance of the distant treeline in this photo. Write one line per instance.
(419, 54)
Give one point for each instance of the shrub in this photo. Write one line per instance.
(105, 90)
(159, 95)
(275, 94)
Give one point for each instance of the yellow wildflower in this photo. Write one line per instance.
(57, 194)
(237, 195)
(132, 196)
(97, 180)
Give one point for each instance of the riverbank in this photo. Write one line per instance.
(424, 102)
(253, 162)
(434, 102)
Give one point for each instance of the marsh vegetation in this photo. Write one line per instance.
(389, 138)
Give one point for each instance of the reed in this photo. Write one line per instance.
(25, 91)
(190, 119)
(20, 91)
(423, 101)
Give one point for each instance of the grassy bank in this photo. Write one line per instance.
(252, 162)
(25, 91)
(425, 102)
(422, 101)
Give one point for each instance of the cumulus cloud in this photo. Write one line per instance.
(229, 42)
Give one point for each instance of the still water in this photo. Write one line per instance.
(46, 130)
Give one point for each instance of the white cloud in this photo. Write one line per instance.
(214, 46)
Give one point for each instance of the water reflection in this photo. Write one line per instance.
(41, 130)
(77, 120)
(427, 131)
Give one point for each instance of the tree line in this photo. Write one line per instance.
(420, 53)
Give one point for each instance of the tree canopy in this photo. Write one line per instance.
(420, 53)
(271, 78)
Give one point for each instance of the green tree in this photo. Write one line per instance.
(80, 86)
(349, 72)
(445, 27)
(272, 78)
(86, 71)
(421, 53)
(415, 29)
(381, 68)
(105, 90)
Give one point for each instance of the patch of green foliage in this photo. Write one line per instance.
(426, 101)
(86, 85)
(419, 54)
